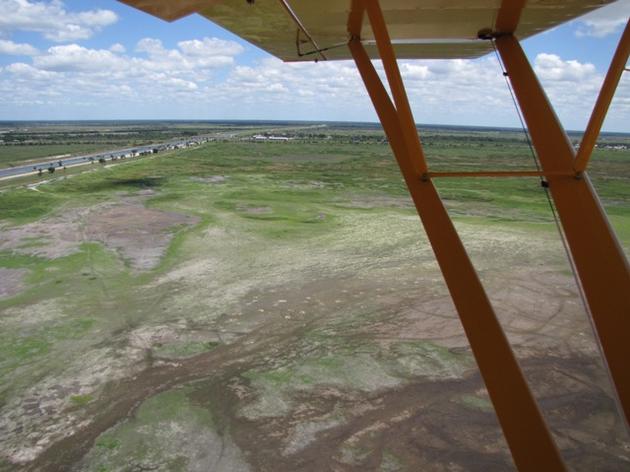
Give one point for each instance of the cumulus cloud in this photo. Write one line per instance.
(439, 91)
(184, 60)
(75, 74)
(52, 20)
(572, 87)
(272, 75)
(73, 57)
(26, 72)
(200, 79)
(605, 21)
(151, 46)
(210, 47)
(551, 67)
(415, 71)
(117, 48)
(207, 53)
(17, 49)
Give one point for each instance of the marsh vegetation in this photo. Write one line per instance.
(276, 306)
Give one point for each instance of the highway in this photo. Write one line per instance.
(60, 162)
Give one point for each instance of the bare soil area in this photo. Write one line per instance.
(11, 281)
(277, 307)
(139, 234)
(316, 387)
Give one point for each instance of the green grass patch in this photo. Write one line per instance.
(476, 403)
(70, 275)
(107, 442)
(15, 350)
(81, 400)
(71, 329)
(23, 205)
(160, 432)
(13, 155)
(19, 348)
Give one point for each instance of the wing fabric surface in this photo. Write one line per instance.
(420, 29)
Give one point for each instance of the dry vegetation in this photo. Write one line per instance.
(276, 306)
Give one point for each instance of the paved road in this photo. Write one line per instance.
(71, 161)
(107, 155)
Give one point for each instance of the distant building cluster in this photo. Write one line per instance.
(264, 137)
(613, 146)
(147, 150)
(617, 147)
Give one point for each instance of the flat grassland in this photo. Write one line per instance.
(21, 142)
(276, 306)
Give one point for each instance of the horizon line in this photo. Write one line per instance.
(376, 124)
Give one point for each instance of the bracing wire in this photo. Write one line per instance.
(520, 116)
(319, 51)
(543, 182)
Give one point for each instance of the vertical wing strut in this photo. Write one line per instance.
(528, 437)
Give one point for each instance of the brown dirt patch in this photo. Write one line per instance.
(11, 281)
(140, 235)
(52, 237)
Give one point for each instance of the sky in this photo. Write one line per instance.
(76, 60)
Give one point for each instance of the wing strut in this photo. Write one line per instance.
(528, 437)
(602, 267)
(617, 67)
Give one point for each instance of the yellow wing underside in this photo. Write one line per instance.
(293, 30)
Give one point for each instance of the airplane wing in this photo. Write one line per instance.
(305, 30)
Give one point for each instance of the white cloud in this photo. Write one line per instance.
(78, 76)
(415, 71)
(551, 67)
(210, 47)
(199, 79)
(207, 53)
(27, 72)
(52, 20)
(607, 20)
(16, 49)
(187, 61)
(150, 46)
(181, 83)
(439, 91)
(117, 48)
(573, 87)
(73, 57)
